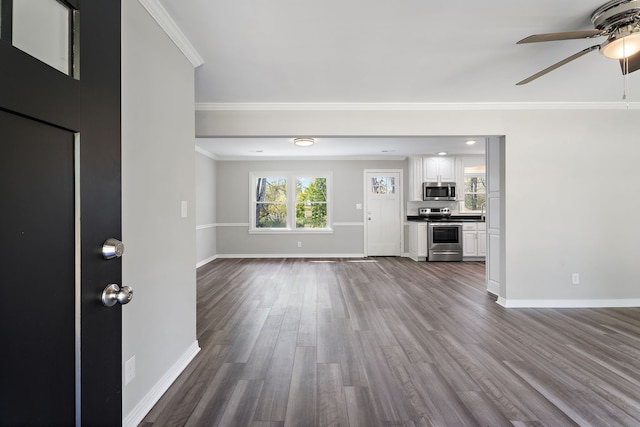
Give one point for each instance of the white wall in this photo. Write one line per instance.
(347, 238)
(159, 325)
(569, 188)
(206, 234)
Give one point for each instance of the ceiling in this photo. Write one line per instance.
(381, 51)
(342, 147)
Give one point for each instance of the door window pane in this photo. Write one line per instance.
(383, 185)
(41, 28)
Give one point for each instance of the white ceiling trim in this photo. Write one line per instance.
(302, 158)
(169, 26)
(206, 153)
(284, 106)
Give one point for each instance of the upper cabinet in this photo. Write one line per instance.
(415, 178)
(439, 169)
(429, 169)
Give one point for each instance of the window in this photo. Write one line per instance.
(290, 202)
(474, 189)
(271, 202)
(383, 185)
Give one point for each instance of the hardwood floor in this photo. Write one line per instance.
(393, 342)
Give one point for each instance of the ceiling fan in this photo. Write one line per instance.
(618, 21)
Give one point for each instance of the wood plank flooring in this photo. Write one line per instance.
(393, 342)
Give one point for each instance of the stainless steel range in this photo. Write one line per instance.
(444, 236)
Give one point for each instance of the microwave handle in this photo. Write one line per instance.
(452, 191)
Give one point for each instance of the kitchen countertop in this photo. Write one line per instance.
(452, 218)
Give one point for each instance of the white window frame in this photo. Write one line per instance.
(290, 177)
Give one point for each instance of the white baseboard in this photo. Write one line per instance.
(493, 288)
(144, 406)
(205, 261)
(566, 303)
(290, 256)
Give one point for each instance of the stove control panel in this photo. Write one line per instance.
(434, 212)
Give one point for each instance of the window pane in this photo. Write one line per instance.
(474, 184)
(41, 29)
(271, 190)
(271, 215)
(383, 185)
(474, 202)
(311, 189)
(311, 206)
(311, 215)
(271, 202)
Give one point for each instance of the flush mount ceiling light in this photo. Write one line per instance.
(303, 142)
(442, 153)
(470, 142)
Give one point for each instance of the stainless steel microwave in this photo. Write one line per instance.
(438, 191)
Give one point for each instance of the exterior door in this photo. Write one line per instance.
(60, 187)
(383, 213)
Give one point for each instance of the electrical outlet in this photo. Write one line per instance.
(129, 370)
(299, 244)
(575, 278)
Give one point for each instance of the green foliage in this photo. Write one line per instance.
(271, 209)
(271, 202)
(311, 203)
(475, 196)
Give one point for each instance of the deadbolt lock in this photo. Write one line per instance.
(112, 248)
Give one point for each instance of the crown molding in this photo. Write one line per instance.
(390, 106)
(206, 153)
(169, 26)
(314, 158)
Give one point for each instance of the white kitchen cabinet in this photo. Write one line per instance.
(439, 169)
(418, 240)
(474, 240)
(415, 178)
(482, 239)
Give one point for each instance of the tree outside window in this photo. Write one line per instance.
(284, 202)
(474, 191)
(311, 202)
(271, 202)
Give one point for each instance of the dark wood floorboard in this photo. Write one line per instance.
(393, 342)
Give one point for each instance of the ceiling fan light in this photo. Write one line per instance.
(622, 47)
(303, 142)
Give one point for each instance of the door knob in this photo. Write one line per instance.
(113, 294)
(112, 248)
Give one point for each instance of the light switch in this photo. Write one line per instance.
(359, 206)
(183, 209)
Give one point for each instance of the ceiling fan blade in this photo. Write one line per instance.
(569, 35)
(557, 65)
(630, 64)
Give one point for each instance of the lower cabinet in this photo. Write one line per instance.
(474, 240)
(418, 241)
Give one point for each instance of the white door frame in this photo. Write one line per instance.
(495, 218)
(400, 188)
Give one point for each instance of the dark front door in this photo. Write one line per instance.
(60, 190)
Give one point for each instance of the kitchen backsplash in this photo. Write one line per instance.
(412, 207)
